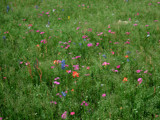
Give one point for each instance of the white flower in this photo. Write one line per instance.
(47, 25)
(53, 10)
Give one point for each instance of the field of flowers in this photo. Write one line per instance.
(79, 59)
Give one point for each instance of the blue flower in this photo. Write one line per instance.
(48, 23)
(127, 60)
(62, 9)
(84, 39)
(64, 94)
(7, 8)
(4, 37)
(104, 56)
(63, 64)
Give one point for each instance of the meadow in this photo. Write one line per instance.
(79, 59)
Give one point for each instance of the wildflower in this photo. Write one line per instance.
(109, 31)
(115, 70)
(76, 67)
(105, 63)
(56, 82)
(72, 90)
(84, 36)
(64, 94)
(89, 44)
(72, 113)
(118, 66)
(47, 13)
(135, 24)
(75, 74)
(4, 37)
(68, 17)
(146, 71)
(127, 60)
(138, 71)
(54, 10)
(63, 64)
(104, 95)
(42, 32)
(52, 67)
(78, 28)
(140, 80)
(56, 78)
(64, 115)
(55, 61)
(86, 104)
(104, 56)
(125, 79)
(8, 8)
(97, 44)
(82, 102)
(126, 56)
(1, 118)
(88, 68)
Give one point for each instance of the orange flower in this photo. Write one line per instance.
(37, 45)
(75, 74)
(125, 79)
(72, 90)
(55, 62)
(126, 56)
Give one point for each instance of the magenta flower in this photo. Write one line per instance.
(138, 71)
(64, 115)
(104, 95)
(140, 80)
(47, 13)
(105, 63)
(86, 104)
(42, 32)
(84, 36)
(56, 82)
(88, 68)
(89, 44)
(52, 67)
(109, 31)
(118, 66)
(135, 24)
(1, 118)
(78, 28)
(97, 44)
(146, 71)
(37, 31)
(72, 113)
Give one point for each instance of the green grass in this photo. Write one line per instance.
(25, 94)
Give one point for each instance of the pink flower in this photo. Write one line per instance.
(137, 13)
(112, 53)
(90, 29)
(86, 104)
(104, 95)
(64, 115)
(55, 102)
(89, 44)
(20, 62)
(52, 67)
(127, 42)
(118, 66)
(78, 28)
(138, 71)
(72, 113)
(97, 44)
(88, 68)
(1, 118)
(37, 31)
(82, 102)
(109, 31)
(129, 19)
(47, 13)
(42, 33)
(84, 36)
(109, 26)
(105, 63)
(127, 33)
(116, 71)
(135, 24)
(158, 2)
(147, 25)
(146, 71)
(140, 80)
(56, 82)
